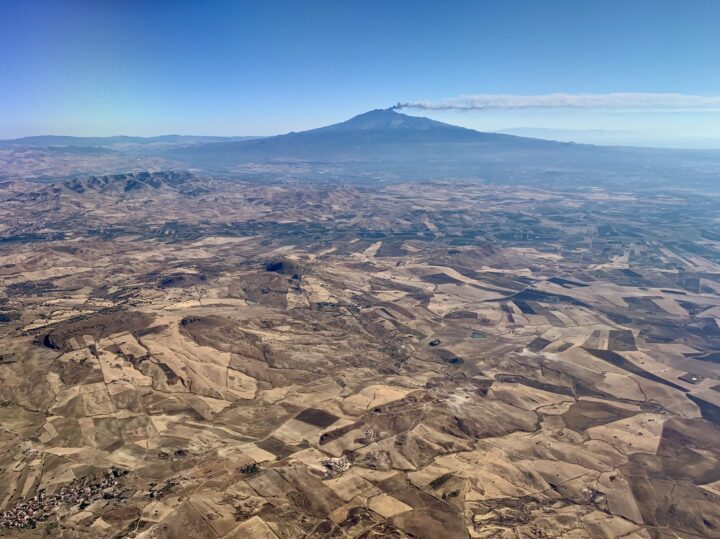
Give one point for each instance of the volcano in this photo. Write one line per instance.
(389, 145)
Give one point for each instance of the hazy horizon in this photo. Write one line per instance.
(600, 137)
(243, 69)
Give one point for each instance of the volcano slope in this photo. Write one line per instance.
(187, 357)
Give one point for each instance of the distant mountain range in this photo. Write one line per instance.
(88, 142)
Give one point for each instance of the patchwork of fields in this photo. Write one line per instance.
(200, 358)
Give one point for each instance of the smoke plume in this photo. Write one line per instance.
(627, 101)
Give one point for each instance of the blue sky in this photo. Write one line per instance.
(239, 68)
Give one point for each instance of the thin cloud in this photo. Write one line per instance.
(626, 101)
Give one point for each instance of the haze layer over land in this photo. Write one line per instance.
(380, 144)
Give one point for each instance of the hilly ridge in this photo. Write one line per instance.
(120, 185)
(120, 140)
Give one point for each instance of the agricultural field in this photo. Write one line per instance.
(186, 356)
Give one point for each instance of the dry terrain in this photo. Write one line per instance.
(183, 356)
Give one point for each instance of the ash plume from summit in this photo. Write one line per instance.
(617, 101)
